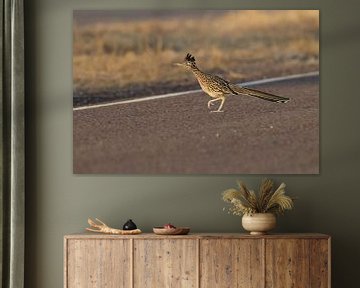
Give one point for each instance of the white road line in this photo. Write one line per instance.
(256, 82)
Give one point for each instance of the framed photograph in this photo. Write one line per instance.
(196, 92)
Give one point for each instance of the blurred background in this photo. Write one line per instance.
(126, 54)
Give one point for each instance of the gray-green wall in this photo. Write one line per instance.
(59, 202)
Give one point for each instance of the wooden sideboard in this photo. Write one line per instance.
(197, 260)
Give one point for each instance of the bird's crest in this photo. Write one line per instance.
(190, 58)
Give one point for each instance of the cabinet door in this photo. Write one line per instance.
(287, 263)
(320, 263)
(165, 263)
(98, 263)
(231, 263)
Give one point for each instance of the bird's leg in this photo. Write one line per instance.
(212, 100)
(221, 105)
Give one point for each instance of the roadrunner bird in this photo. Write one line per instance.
(218, 88)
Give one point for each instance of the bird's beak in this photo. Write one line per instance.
(178, 64)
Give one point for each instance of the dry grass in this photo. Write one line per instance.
(236, 44)
(267, 200)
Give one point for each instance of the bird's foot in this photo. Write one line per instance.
(216, 111)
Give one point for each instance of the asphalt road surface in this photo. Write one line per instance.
(178, 135)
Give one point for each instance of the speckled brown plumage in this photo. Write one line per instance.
(219, 88)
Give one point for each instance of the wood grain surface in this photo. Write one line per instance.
(98, 263)
(165, 263)
(287, 263)
(319, 263)
(89, 235)
(197, 260)
(228, 263)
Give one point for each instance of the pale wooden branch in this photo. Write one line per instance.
(101, 227)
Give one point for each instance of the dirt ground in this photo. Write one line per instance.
(178, 135)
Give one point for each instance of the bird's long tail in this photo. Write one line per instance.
(259, 94)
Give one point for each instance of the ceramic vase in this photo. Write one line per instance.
(259, 223)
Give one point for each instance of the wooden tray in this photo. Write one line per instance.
(171, 231)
